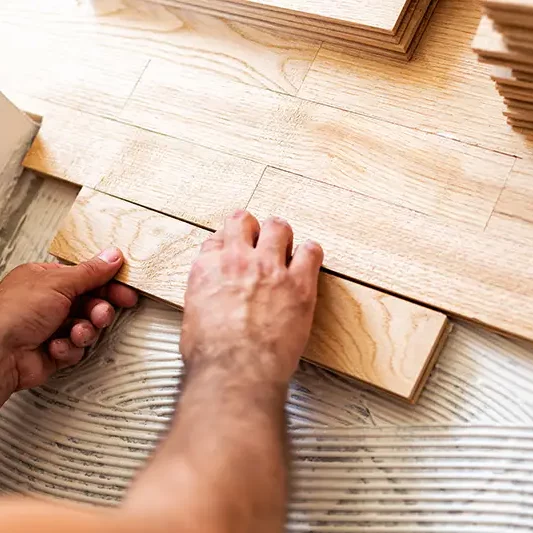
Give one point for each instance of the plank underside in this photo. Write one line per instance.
(381, 340)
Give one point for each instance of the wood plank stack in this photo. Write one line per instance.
(391, 28)
(505, 40)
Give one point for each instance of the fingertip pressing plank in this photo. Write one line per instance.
(379, 339)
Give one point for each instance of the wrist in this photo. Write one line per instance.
(250, 368)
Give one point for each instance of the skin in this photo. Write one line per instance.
(248, 313)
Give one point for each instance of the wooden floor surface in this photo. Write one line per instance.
(404, 172)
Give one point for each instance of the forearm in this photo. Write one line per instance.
(225, 454)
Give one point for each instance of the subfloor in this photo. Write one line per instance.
(461, 460)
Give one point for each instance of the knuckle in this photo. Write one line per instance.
(211, 244)
(279, 224)
(314, 250)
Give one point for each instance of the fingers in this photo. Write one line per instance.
(64, 352)
(99, 312)
(121, 296)
(83, 333)
(75, 280)
(306, 262)
(275, 240)
(214, 242)
(240, 229)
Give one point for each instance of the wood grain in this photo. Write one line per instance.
(442, 86)
(516, 200)
(426, 173)
(385, 15)
(154, 170)
(400, 45)
(471, 274)
(91, 56)
(379, 339)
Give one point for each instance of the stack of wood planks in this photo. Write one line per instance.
(505, 40)
(391, 28)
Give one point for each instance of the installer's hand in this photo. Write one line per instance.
(248, 306)
(49, 314)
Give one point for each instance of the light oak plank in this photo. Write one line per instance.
(444, 90)
(513, 104)
(513, 214)
(154, 170)
(399, 45)
(426, 173)
(66, 67)
(482, 278)
(379, 339)
(385, 15)
(110, 43)
(516, 199)
(298, 20)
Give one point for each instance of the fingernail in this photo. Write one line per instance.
(110, 255)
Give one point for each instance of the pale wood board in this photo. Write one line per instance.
(444, 90)
(513, 104)
(520, 114)
(429, 174)
(520, 20)
(457, 184)
(402, 52)
(524, 96)
(176, 177)
(471, 274)
(385, 15)
(490, 45)
(391, 167)
(513, 214)
(90, 57)
(377, 338)
(301, 21)
(401, 42)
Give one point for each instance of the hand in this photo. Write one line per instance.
(48, 316)
(248, 305)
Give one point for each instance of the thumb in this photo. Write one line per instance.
(89, 275)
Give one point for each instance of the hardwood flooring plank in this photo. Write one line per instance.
(476, 276)
(66, 69)
(385, 15)
(381, 340)
(398, 44)
(516, 199)
(426, 173)
(443, 90)
(119, 38)
(513, 214)
(154, 170)
(298, 20)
